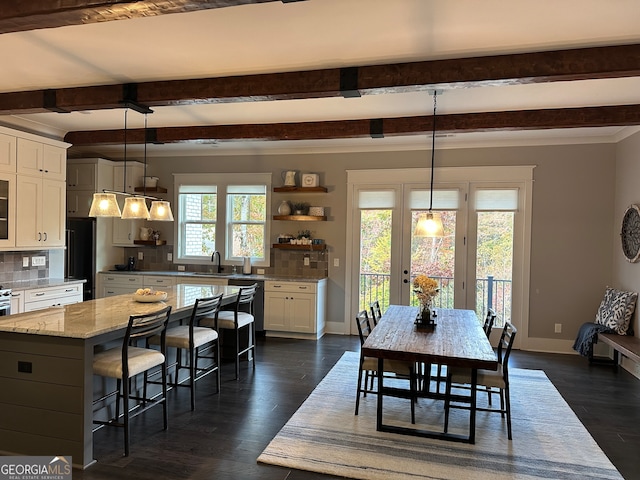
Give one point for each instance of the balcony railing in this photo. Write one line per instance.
(489, 292)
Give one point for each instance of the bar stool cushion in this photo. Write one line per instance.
(487, 378)
(109, 362)
(226, 319)
(178, 337)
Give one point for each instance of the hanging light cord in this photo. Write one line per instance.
(433, 150)
(144, 178)
(124, 176)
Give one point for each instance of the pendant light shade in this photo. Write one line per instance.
(161, 211)
(430, 224)
(104, 205)
(135, 208)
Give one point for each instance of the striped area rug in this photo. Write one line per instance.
(549, 441)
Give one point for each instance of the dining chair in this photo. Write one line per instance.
(239, 317)
(486, 378)
(193, 338)
(126, 362)
(369, 365)
(376, 312)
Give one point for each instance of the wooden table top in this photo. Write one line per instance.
(457, 339)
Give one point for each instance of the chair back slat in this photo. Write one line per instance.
(376, 312)
(489, 321)
(364, 327)
(245, 297)
(206, 307)
(147, 325)
(506, 343)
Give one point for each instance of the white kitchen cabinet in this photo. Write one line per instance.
(119, 283)
(7, 210)
(43, 160)
(134, 173)
(7, 153)
(81, 176)
(41, 298)
(79, 202)
(295, 309)
(40, 212)
(17, 301)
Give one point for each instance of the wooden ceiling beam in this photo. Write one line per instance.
(540, 67)
(21, 15)
(454, 123)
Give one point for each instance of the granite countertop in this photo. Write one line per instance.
(229, 276)
(41, 283)
(93, 318)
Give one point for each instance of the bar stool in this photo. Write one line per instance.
(190, 338)
(124, 363)
(236, 319)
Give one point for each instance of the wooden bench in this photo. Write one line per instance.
(625, 344)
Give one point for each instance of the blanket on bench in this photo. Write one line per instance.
(586, 335)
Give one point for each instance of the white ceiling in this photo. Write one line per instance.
(313, 34)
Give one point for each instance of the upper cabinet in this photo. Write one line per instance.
(38, 159)
(7, 153)
(132, 175)
(86, 176)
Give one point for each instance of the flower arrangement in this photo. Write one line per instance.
(425, 289)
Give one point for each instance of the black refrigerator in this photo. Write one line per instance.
(80, 258)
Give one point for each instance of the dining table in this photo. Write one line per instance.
(455, 339)
(47, 385)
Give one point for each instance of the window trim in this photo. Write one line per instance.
(222, 181)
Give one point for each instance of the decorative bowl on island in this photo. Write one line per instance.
(147, 295)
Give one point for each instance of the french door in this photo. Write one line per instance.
(482, 260)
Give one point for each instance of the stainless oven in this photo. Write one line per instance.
(5, 301)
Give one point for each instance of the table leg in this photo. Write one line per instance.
(472, 408)
(380, 396)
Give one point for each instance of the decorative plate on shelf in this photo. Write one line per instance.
(149, 296)
(630, 234)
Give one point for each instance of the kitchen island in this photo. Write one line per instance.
(46, 372)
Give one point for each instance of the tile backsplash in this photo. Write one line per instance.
(288, 263)
(11, 269)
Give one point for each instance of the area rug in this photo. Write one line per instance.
(548, 442)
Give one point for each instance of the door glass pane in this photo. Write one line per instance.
(435, 257)
(375, 257)
(494, 264)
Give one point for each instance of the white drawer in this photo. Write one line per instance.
(290, 287)
(158, 281)
(116, 279)
(52, 292)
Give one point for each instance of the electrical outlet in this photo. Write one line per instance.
(558, 328)
(306, 261)
(169, 257)
(260, 271)
(140, 255)
(181, 268)
(25, 261)
(336, 262)
(39, 261)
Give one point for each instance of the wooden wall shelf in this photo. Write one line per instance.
(300, 218)
(288, 246)
(151, 189)
(300, 189)
(153, 243)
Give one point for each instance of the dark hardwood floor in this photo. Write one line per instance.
(223, 437)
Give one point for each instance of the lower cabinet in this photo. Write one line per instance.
(295, 309)
(41, 298)
(17, 301)
(119, 284)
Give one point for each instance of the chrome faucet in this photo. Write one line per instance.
(213, 255)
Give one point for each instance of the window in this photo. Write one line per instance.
(225, 213)
(246, 221)
(197, 207)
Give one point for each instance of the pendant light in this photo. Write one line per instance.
(430, 224)
(135, 207)
(160, 209)
(104, 205)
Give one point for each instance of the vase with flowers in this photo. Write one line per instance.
(425, 289)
